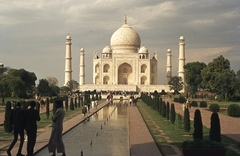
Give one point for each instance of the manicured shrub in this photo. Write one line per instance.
(233, 110)
(71, 104)
(181, 99)
(54, 106)
(194, 104)
(66, 103)
(186, 120)
(214, 107)
(173, 114)
(75, 102)
(167, 110)
(175, 99)
(47, 108)
(203, 104)
(7, 124)
(160, 106)
(215, 131)
(164, 109)
(79, 101)
(198, 126)
(38, 106)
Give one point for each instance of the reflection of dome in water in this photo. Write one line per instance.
(125, 37)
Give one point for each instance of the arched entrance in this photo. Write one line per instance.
(125, 74)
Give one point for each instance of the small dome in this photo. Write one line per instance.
(68, 37)
(82, 49)
(169, 50)
(182, 38)
(125, 36)
(107, 49)
(143, 49)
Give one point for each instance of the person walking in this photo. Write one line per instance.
(55, 141)
(17, 120)
(32, 116)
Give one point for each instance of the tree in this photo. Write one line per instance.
(27, 77)
(167, 110)
(71, 104)
(43, 87)
(173, 114)
(7, 124)
(47, 108)
(215, 129)
(226, 84)
(176, 84)
(73, 85)
(52, 81)
(193, 76)
(212, 71)
(186, 120)
(198, 126)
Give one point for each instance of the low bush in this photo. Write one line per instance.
(233, 110)
(175, 99)
(214, 107)
(194, 104)
(203, 104)
(201, 144)
(181, 99)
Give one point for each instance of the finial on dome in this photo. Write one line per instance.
(125, 20)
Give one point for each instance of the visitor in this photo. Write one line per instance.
(183, 107)
(32, 116)
(55, 141)
(17, 120)
(130, 101)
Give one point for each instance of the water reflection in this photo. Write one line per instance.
(105, 134)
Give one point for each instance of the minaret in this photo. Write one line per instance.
(181, 72)
(68, 61)
(82, 68)
(169, 65)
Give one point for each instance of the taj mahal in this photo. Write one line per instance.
(125, 65)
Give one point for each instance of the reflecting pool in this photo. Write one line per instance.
(106, 133)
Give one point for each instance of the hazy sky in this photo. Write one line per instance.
(33, 33)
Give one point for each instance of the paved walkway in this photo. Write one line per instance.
(141, 141)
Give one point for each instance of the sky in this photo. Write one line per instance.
(33, 33)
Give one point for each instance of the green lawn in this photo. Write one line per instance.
(163, 131)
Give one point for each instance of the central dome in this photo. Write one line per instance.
(125, 38)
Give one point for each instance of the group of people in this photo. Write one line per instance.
(132, 100)
(87, 106)
(27, 120)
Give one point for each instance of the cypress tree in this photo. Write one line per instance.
(160, 106)
(54, 107)
(38, 107)
(173, 114)
(75, 102)
(198, 126)
(163, 109)
(47, 108)
(71, 104)
(7, 124)
(167, 110)
(215, 130)
(66, 103)
(186, 120)
(79, 101)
